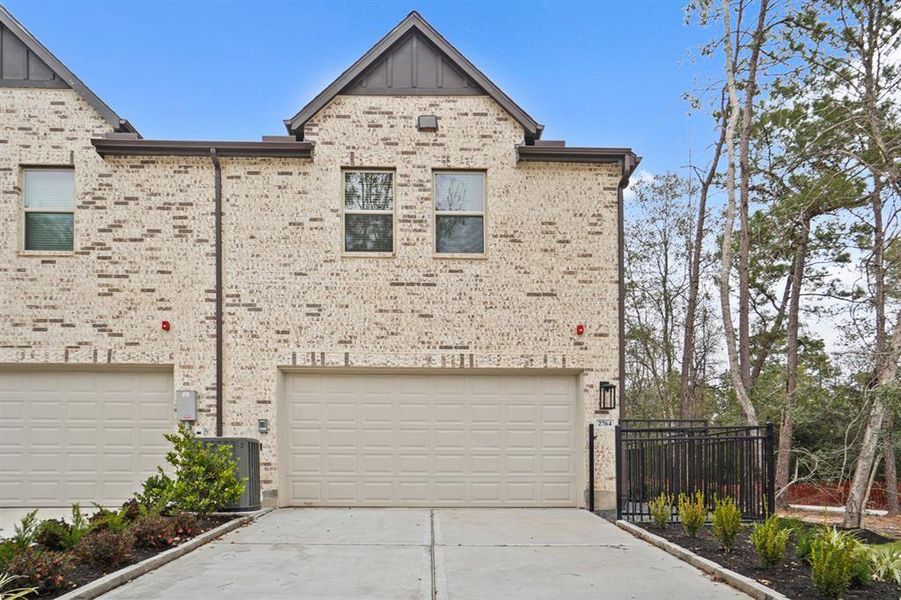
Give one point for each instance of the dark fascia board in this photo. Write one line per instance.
(413, 21)
(624, 156)
(116, 122)
(119, 146)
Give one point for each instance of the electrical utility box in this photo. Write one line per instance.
(186, 406)
(246, 453)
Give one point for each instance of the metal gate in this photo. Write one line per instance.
(675, 457)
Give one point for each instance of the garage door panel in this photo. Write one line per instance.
(80, 436)
(421, 440)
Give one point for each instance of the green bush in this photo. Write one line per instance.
(52, 534)
(692, 512)
(108, 520)
(105, 549)
(153, 531)
(206, 477)
(25, 530)
(8, 551)
(832, 555)
(661, 509)
(43, 570)
(726, 522)
(885, 563)
(804, 537)
(769, 539)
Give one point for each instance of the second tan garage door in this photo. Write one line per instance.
(369, 439)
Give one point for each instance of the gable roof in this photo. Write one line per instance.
(373, 57)
(61, 75)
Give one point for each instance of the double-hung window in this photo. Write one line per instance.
(49, 203)
(459, 212)
(369, 212)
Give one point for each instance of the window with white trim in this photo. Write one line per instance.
(369, 211)
(459, 212)
(49, 203)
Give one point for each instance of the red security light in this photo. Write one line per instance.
(166, 325)
(580, 329)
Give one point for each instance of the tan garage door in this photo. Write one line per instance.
(80, 436)
(371, 439)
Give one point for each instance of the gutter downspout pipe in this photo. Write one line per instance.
(217, 201)
(629, 164)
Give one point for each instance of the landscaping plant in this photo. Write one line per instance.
(44, 570)
(185, 524)
(25, 531)
(832, 555)
(105, 549)
(769, 539)
(153, 531)
(205, 477)
(7, 592)
(692, 512)
(726, 522)
(885, 563)
(661, 509)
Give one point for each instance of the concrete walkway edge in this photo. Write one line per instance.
(740, 582)
(95, 588)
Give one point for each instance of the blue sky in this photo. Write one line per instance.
(595, 73)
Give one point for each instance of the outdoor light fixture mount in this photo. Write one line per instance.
(606, 396)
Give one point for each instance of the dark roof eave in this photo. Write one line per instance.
(141, 147)
(572, 154)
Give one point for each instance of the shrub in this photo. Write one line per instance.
(804, 537)
(52, 534)
(769, 539)
(46, 571)
(132, 510)
(108, 520)
(156, 493)
(661, 509)
(206, 477)
(726, 522)
(692, 512)
(184, 524)
(25, 531)
(8, 551)
(153, 531)
(885, 562)
(831, 556)
(105, 549)
(7, 592)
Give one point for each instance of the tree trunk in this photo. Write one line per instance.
(744, 250)
(884, 377)
(741, 391)
(891, 472)
(688, 376)
(786, 427)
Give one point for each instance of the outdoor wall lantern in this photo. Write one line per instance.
(607, 395)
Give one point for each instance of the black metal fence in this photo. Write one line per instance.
(675, 457)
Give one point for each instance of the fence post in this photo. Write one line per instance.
(770, 472)
(591, 467)
(618, 453)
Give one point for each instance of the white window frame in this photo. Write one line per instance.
(460, 213)
(393, 212)
(23, 250)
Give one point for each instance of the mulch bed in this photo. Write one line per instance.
(791, 578)
(83, 574)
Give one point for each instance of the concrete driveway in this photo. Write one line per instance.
(423, 554)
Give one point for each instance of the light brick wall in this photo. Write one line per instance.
(292, 299)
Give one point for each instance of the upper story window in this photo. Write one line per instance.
(49, 202)
(459, 212)
(369, 212)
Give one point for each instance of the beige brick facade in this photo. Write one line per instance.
(144, 252)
